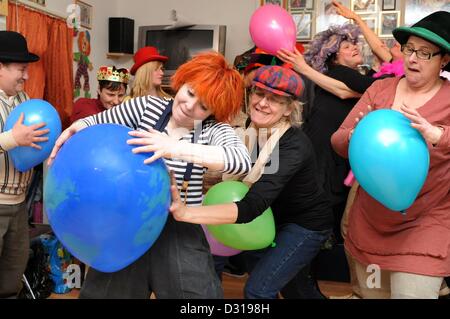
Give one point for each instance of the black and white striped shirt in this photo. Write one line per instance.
(143, 113)
(13, 184)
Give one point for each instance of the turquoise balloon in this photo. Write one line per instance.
(389, 158)
(35, 111)
(257, 234)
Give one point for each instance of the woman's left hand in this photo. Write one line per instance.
(153, 141)
(432, 134)
(343, 10)
(178, 209)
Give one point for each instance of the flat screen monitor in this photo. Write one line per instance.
(181, 44)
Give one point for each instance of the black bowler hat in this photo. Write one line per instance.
(13, 48)
(434, 28)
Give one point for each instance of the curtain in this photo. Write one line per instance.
(51, 39)
(59, 69)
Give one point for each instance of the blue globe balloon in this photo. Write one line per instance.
(35, 111)
(105, 205)
(389, 158)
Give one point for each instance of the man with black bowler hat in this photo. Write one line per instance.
(14, 242)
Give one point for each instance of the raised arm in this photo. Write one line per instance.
(377, 46)
(327, 83)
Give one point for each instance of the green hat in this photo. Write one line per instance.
(434, 28)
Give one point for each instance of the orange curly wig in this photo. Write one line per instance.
(217, 85)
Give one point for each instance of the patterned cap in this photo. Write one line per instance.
(110, 73)
(279, 80)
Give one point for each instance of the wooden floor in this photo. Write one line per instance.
(233, 289)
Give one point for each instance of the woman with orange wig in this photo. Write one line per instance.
(190, 133)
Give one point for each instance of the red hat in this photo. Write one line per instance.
(144, 55)
(260, 58)
(299, 46)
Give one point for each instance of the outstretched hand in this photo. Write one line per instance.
(29, 135)
(177, 208)
(153, 141)
(65, 135)
(343, 10)
(294, 58)
(432, 134)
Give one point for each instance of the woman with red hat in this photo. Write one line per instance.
(148, 71)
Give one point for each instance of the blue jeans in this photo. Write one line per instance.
(272, 268)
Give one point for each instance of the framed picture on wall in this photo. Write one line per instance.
(387, 5)
(3, 7)
(327, 15)
(282, 3)
(388, 22)
(325, 7)
(304, 24)
(85, 14)
(301, 4)
(366, 53)
(371, 23)
(364, 6)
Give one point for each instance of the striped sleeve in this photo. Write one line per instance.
(129, 113)
(235, 154)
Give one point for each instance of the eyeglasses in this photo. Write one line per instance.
(271, 99)
(420, 53)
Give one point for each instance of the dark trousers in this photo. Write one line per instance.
(14, 248)
(179, 265)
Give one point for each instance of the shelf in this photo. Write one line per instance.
(113, 55)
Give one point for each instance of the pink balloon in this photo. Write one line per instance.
(217, 248)
(272, 28)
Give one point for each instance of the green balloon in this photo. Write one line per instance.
(257, 234)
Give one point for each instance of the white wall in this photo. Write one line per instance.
(235, 14)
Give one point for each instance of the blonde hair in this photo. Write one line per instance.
(143, 80)
(295, 118)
